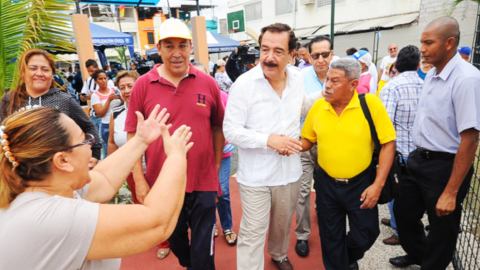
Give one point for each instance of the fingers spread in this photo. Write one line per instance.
(154, 113)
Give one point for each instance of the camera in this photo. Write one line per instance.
(143, 66)
(246, 54)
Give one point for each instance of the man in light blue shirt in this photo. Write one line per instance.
(321, 53)
(445, 132)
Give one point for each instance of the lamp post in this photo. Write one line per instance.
(332, 22)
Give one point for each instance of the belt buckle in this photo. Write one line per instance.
(341, 181)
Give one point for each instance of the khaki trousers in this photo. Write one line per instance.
(309, 161)
(259, 204)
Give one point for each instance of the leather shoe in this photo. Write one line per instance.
(302, 248)
(386, 222)
(354, 266)
(404, 261)
(283, 264)
(392, 240)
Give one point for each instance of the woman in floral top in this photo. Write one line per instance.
(221, 76)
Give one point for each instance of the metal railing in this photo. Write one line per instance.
(467, 254)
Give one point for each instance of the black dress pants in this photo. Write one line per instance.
(420, 191)
(334, 203)
(198, 214)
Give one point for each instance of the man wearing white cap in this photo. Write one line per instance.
(192, 98)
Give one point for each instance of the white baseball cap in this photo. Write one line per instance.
(174, 28)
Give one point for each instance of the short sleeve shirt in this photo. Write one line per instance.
(40, 232)
(363, 86)
(345, 146)
(387, 62)
(98, 98)
(449, 104)
(196, 102)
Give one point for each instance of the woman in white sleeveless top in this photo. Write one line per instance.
(118, 137)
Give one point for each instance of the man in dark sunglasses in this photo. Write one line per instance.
(321, 53)
(387, 62)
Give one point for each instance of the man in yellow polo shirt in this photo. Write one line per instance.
(346, 183)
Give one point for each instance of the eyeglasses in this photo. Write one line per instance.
(315, 56)
(393, 49)
(394, 71)
(124, 87)
(89, 139)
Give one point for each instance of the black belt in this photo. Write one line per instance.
(346, 181)
(427, 154)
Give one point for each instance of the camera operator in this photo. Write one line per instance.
(241, 60)
(143, 66)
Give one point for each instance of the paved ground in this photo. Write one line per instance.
(225, 259)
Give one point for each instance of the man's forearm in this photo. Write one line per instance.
(385, 162)
(463, 160)
(218, 143)
(306, 145)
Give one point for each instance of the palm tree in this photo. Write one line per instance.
(457, 2)
(26, 24)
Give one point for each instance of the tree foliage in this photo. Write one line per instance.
(26, 24)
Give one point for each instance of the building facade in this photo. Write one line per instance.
(401, 22)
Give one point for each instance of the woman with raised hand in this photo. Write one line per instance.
(36, 88)
(50, 202)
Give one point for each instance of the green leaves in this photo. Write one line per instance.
(26, 24)
(456, 3)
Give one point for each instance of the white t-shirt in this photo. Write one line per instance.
(89, 86)
(387, 62)
(41, 232)
(372, 69)
(98, 98)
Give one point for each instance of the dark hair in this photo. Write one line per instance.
(18, 94)
(351, 51)
(318, 39)
(408, 58)
(70, 78)
(364, 49)
(91, 63)
(98, 72)
(225, 58)
(34, 136)
(278, 28)
(304, 45)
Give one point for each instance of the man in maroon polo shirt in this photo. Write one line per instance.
(191, 98)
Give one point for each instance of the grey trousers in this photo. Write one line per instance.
(309, 161)
(259, 205)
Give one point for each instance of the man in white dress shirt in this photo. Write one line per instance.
(262, 119)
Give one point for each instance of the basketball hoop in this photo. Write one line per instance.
(232, 31)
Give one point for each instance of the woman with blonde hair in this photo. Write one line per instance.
(37, 88)
(50, 205)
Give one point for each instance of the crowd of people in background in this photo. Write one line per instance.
(295, 112)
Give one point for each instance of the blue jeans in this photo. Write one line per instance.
(105, 132)
(97, 122)
(393, 223)
(223, 205)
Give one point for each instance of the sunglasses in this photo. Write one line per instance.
(393, 49)
(394, 71)
(89, 139)
(315, 56)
